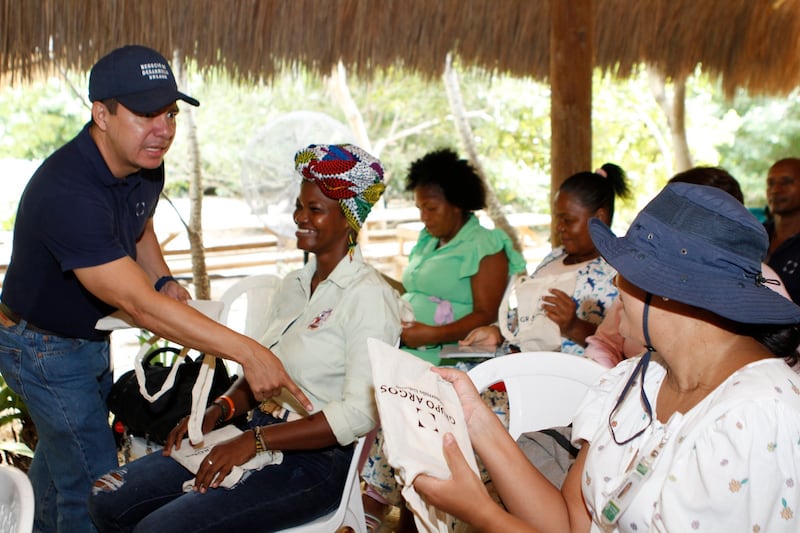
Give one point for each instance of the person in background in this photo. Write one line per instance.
(319, 323)
(454, 282)
(709, 413)
(458, 269)
(84, 246)
(783, 224)
(607, 346)
(580, 197)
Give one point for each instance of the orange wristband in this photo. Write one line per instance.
(231, 407)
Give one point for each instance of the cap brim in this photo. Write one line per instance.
(745, 302)
(155, 100)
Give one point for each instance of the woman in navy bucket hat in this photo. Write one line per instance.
(702, 432)
(694, 245)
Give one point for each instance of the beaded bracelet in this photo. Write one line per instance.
(163, 280)
(261, 445)
(221, 418)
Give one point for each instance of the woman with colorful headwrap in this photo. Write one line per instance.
(318, 326)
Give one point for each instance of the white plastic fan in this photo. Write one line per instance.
(269, 182)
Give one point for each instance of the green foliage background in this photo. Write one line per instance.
(509, 117)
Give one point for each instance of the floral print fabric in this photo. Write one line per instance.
(594, 292)
(731, 463)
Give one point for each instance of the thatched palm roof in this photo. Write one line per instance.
(747, 43)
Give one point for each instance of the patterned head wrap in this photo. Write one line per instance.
(346, 173)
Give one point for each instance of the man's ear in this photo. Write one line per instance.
(100, 115)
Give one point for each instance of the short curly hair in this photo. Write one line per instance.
(458, 180)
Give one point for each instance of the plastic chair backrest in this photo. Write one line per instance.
(350, 512)
(544, 388)
(258, 290)
(16, 501)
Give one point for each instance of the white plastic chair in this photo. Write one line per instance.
(16, 501)
(350, 512)
(258, 290)
(544, 388)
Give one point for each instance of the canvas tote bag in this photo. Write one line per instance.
(416, 408)
(535, 332)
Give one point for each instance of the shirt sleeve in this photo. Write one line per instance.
(595, 291)
(483, 242)
(372, 311)
(741, 474)
(81, 236)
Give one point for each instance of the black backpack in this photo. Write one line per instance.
(134, 414)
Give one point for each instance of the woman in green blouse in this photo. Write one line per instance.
(458, 269)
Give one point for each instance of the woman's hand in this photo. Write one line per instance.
(222, 458)
(560, 308)
(483, 336)
(463, 495)
(182, 428)
(471, 402)
(416, 334)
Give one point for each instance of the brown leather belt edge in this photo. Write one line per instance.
(15, 318)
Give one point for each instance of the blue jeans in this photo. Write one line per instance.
(146, 495)
(64, 383)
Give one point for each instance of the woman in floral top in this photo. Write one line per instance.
(582, 196)
(708, 439)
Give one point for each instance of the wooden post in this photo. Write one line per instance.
(571, 65)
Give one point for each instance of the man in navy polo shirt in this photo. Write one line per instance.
(84, 245)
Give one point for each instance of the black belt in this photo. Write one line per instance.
(14, 317)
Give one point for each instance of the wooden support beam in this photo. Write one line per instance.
(571, 65)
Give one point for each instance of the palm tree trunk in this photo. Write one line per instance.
(493, 206)
(675, 110)
(202, 286)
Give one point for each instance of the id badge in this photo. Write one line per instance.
(630, 486)
(621, 498)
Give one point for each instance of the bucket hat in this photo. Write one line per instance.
(697, 245)
(138, 77)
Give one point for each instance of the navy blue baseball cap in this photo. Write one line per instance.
(137, 77)
(700, 246)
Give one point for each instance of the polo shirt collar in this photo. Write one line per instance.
(342, 275)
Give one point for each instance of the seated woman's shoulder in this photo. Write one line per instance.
(768, 379)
